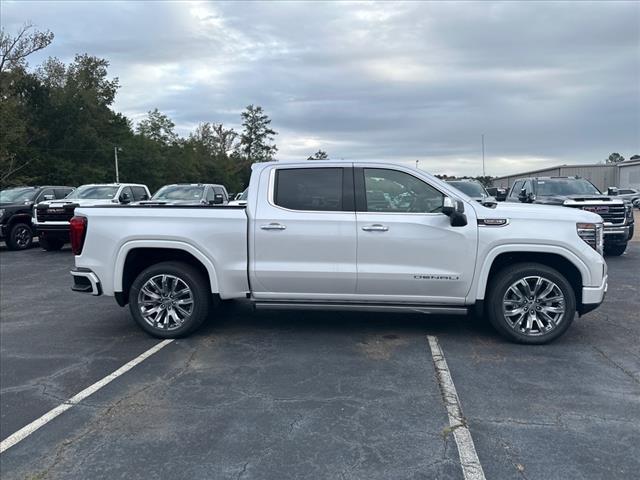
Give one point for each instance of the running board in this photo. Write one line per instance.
(362, 307)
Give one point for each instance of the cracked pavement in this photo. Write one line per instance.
(307, 394)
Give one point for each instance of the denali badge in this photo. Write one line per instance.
(597, 209)
(436, 277)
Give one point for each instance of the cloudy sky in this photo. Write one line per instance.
(546, 83)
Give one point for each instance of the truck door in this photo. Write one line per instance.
(304, 234)
(407, 249)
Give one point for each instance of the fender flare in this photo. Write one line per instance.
(485, 268)
(20, 218)
(121, 257)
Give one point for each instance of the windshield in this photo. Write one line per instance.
(472, 189)
(94, 192)
(21, 194)
(179, 192)
(565, 186)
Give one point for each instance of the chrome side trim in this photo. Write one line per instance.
(362, 307)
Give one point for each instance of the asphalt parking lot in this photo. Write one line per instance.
(276, 395)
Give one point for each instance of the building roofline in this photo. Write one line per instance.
(531, 172)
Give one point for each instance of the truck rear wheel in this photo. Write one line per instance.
(170, 299)
(51, 244)
(615, 250)
(20, 236)
(531, 303)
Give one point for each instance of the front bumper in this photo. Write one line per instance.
(614, 235)
(592, 297)
(85, 281)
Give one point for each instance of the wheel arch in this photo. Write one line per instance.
(559, 259)
(135, 256)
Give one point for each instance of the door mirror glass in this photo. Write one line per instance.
(125, 198)
(612, 191)
(218, 199)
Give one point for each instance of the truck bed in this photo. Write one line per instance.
(218, 233)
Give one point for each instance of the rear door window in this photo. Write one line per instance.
(314, 189)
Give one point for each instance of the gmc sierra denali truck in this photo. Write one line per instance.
(337, 236)
(51, 218)
(576, 192)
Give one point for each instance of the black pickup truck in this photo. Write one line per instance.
(576, 192)
(16, 212)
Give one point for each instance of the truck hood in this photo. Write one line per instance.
(561, 199)
(83, 202)
(533, 211)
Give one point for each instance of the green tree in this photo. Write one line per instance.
(319, 155)
(256, 140)
(614, 158)
(158, 127)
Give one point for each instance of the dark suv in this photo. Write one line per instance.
(576, 192)
(16, 212)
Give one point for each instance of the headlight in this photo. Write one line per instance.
(627, 208)
(1, 212)
(592, 234)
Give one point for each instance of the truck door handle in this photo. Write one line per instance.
(273, 226)
(376, 227)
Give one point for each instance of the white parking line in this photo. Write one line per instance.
(471, 468)
(27, 430)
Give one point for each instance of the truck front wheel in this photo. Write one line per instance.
(169, 299)
(20, 237)
(531, 303)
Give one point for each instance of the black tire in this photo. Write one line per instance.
(615, 250)
(51, 244)
(199, 290)
(20, 236)
(498, 289)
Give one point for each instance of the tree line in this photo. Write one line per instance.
(57, 126)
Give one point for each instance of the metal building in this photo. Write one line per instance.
(629, 173)
(601, 175)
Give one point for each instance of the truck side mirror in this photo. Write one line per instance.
(522, 196)
(124, 198)
(612, 191)
(218, 199)
(454, 209)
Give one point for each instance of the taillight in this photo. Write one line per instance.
(77, 233)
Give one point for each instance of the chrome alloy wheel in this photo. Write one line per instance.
(533, 305)
(165, 302)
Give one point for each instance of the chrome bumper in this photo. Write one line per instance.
(85, 281)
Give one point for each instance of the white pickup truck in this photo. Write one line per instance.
(338, 235)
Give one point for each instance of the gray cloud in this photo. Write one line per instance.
(545, 82)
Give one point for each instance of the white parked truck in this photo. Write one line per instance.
(337, 235)
(51, 217)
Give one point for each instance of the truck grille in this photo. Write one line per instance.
(613, 214)
(55, 214)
